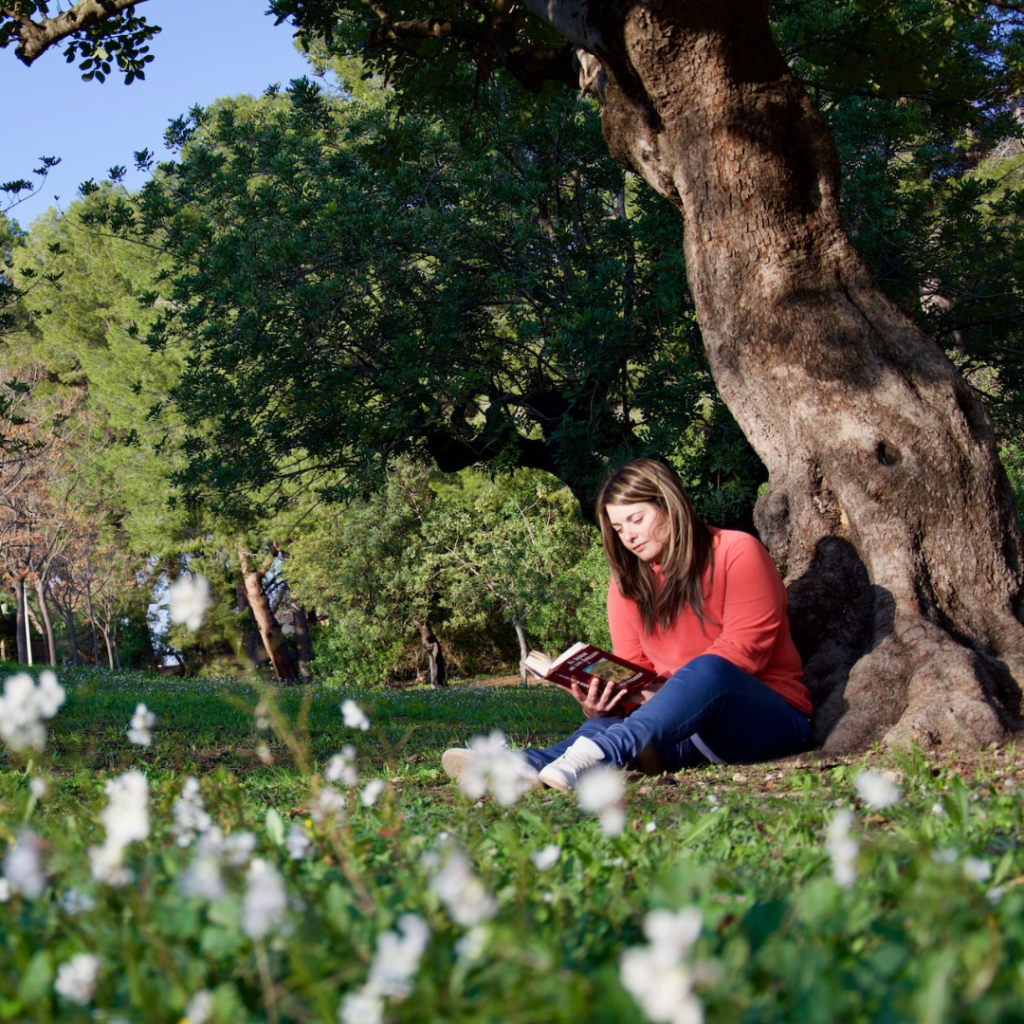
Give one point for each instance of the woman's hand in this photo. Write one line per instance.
(600, 699)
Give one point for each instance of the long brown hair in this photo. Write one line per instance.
(687, 549)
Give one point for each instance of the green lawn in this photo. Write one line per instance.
(930, 929)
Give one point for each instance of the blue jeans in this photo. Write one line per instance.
(709, 710)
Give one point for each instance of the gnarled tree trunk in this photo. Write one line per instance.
(887, 505)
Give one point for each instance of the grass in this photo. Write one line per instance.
(932, 929)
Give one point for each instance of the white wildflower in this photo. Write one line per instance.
(471, 946)
(395, 963)
(5, 890)
(342, 767)
(23, 707)
(842, 848)
(397, 958)
(49, 694)
(38, 787)
(659, 976)
(262, 715)
(190, 817)
(946, 855)
(878, 791)
(203, 877)
(977, 870)
(371, 791)
(651, 826)
(465, 897)
(265, 901)
(298, 843)
(190, 600)
(23, 865)
(213, 851)
(492, 766)
(199, 1008)
(361, 1007)
(546, 858)
(126, 820)
(354, 716)
(995, 894)
(601, 790)
(76, 978)
(237, 848)
(329, 805)
(938, 810)
(140, 728)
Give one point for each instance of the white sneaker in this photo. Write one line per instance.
(564, 772)
(455, 760)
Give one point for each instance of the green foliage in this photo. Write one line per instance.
(1012, 455)
(473, 557)
(487, 291)
(930, 929)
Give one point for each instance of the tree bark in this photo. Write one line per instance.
(44, 611)
(524, 651)
(110, 649)
(92, 623)
(887, 506)
(21, 625)
(305, 646)
(266, 621)
(70, 619)
(437, 667)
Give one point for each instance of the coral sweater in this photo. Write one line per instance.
(746, 622)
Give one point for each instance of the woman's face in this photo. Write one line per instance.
(642, 527)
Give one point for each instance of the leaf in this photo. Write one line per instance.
(37, 979)
(275, 827)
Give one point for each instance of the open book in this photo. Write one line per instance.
(581, 661)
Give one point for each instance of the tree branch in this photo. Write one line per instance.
(531, 67)
(36, 37)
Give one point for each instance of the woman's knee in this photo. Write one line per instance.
(716, 674)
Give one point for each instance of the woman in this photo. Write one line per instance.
(706, 609)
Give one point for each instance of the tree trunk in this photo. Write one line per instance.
(524, 651)
(266, 621)
(44, 611)
(251, 642)
(437, 667)
(21, 625)
(886, 505)
(110, 650)
(70, 619)
(92, 623)
(301, 621)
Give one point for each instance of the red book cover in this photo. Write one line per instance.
(582, 661)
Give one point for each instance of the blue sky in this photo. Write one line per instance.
(207, 49)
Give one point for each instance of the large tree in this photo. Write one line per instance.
(887, 505)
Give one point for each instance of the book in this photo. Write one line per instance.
(581, 661)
